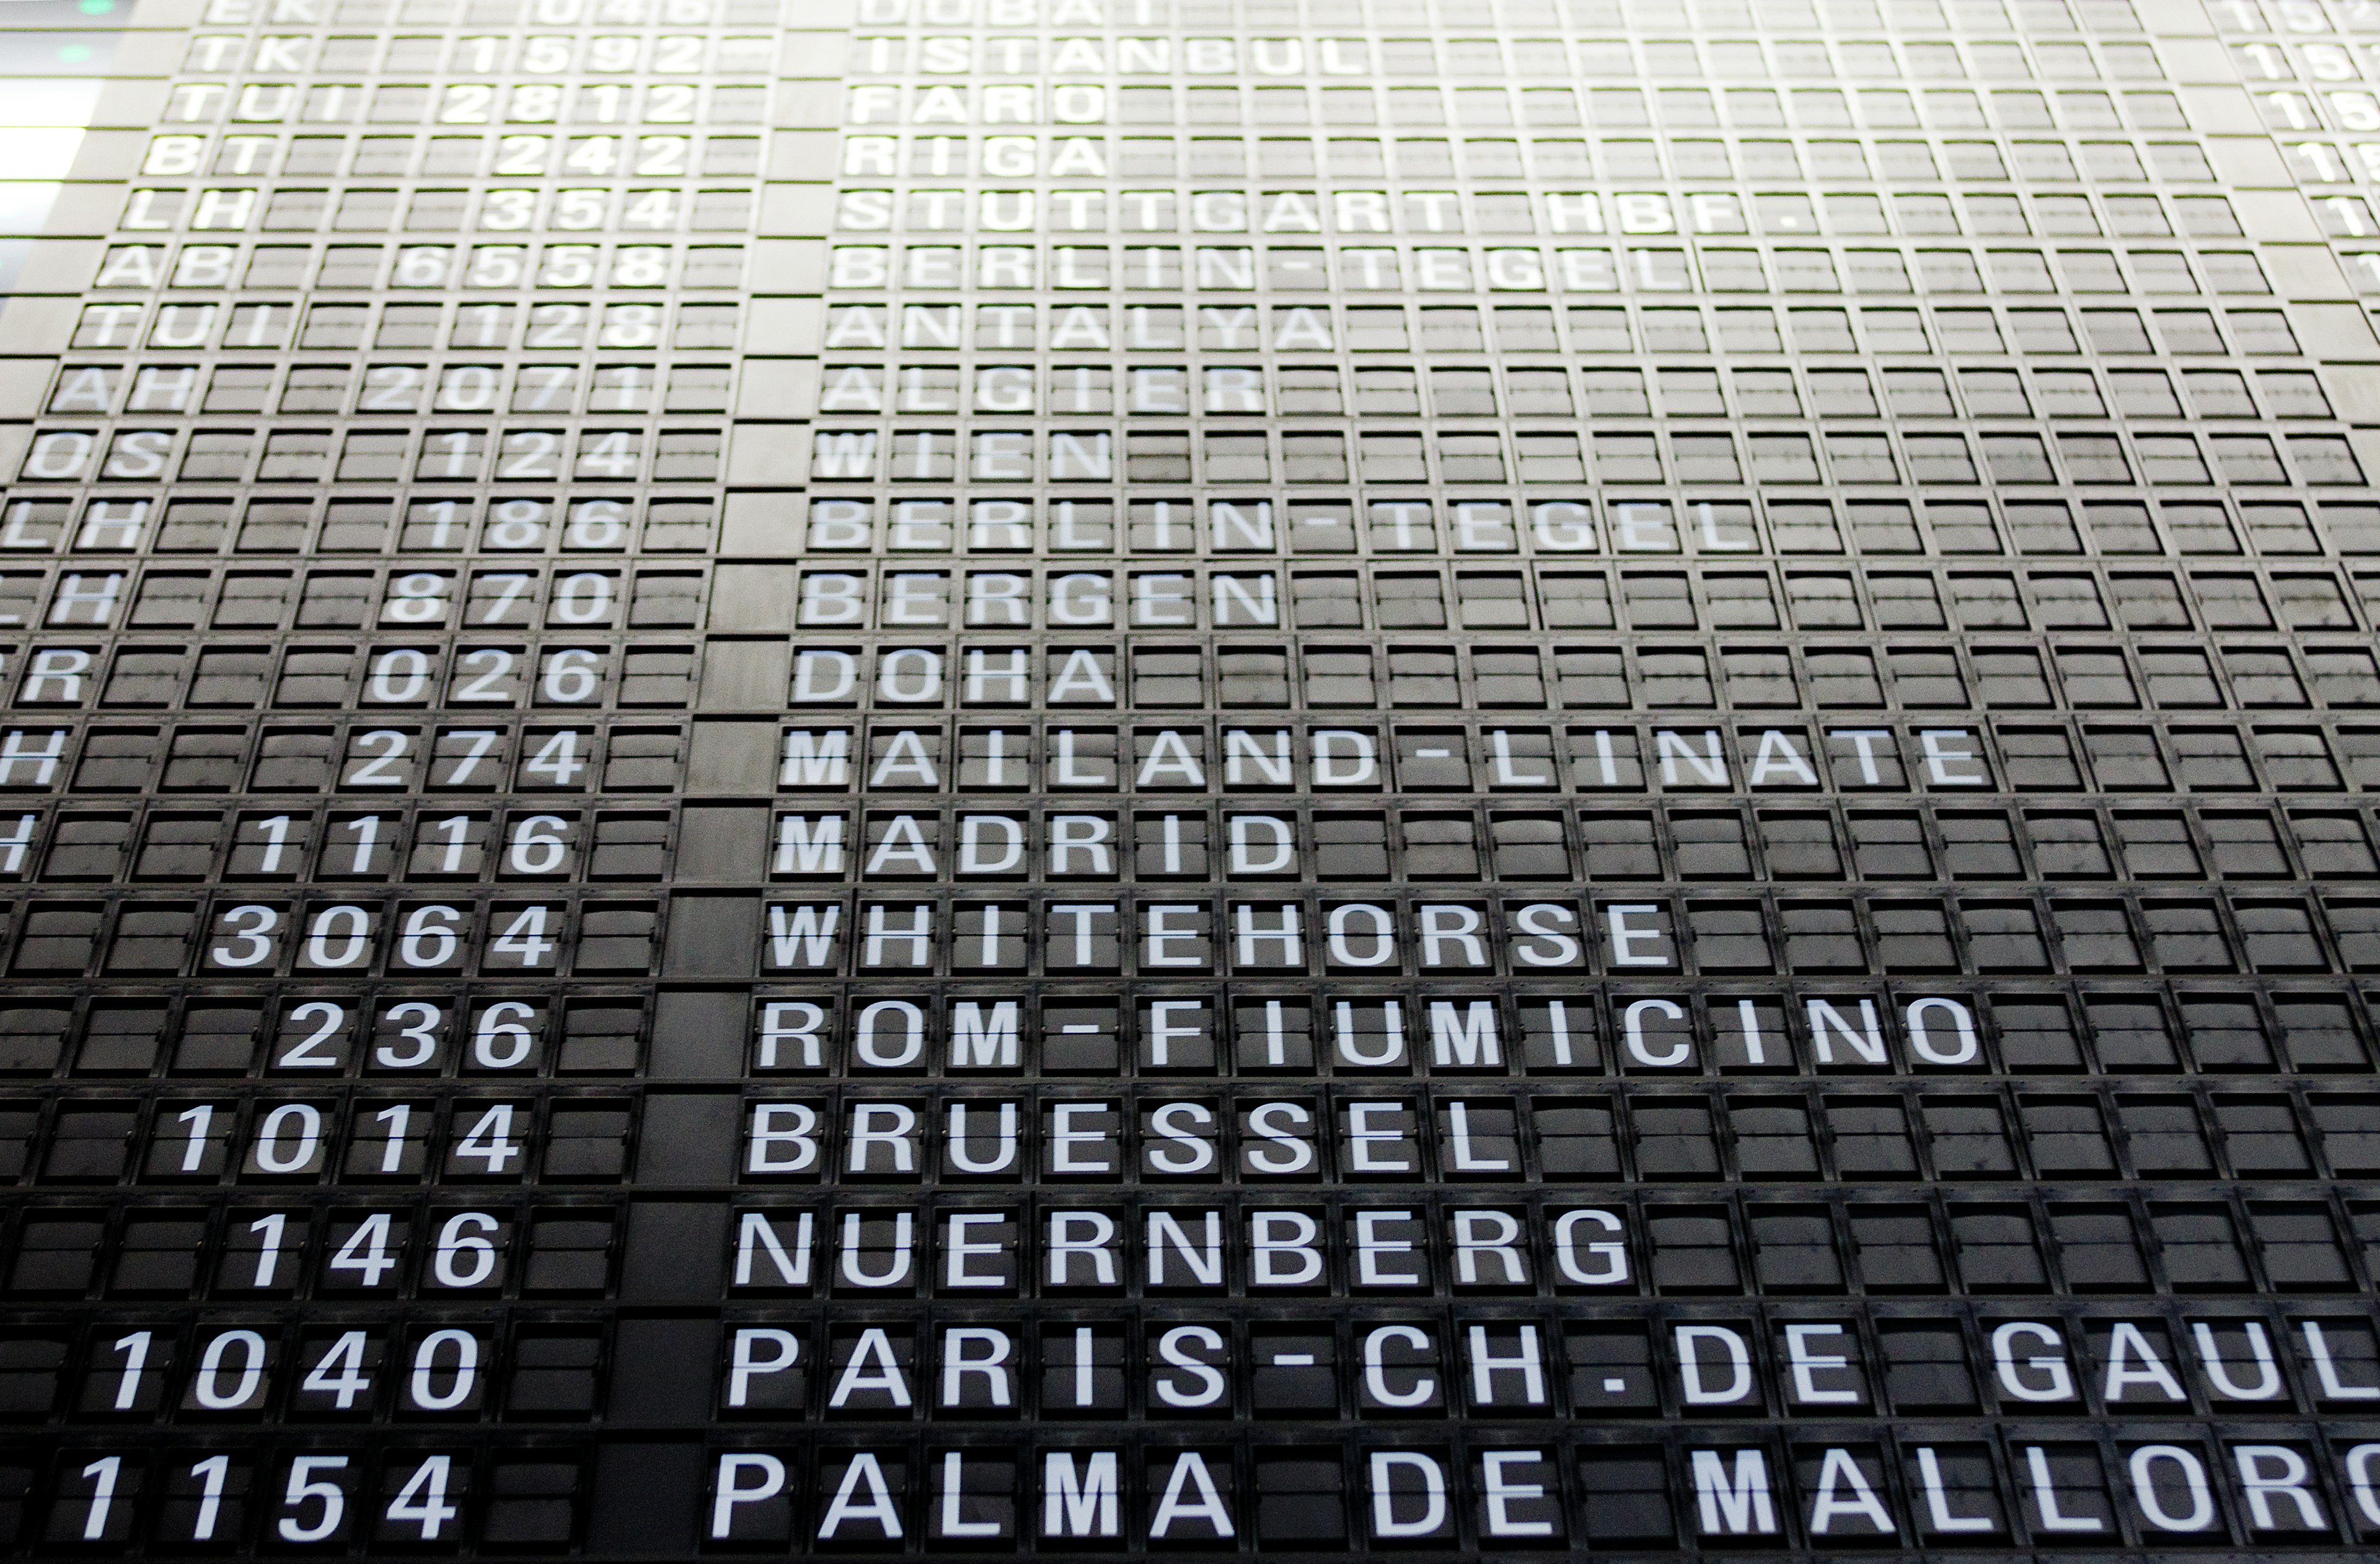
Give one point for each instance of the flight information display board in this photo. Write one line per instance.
(1108, 777)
